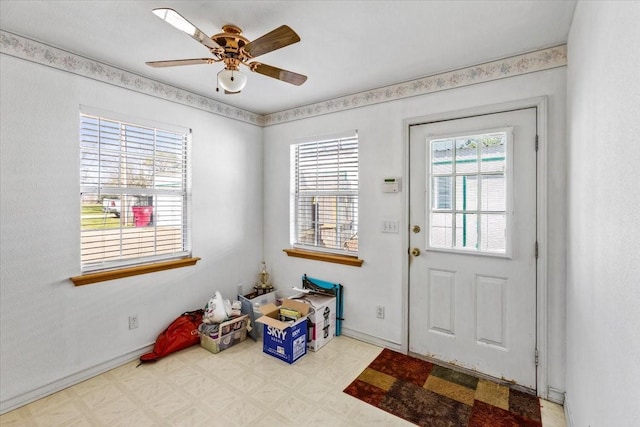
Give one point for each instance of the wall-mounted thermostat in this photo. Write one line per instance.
(392, 185)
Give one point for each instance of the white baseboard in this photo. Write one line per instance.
(370, 339)
(62, 383)
(567, 412)
(556, 395)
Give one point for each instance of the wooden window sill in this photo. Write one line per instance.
(322, 256)
(101, 276)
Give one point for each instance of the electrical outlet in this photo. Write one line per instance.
(133, 321)
(380, 311)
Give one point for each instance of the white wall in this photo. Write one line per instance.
(380, 279)
(53, 333)
(603, 268)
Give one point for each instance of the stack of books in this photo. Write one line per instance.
(289, 315)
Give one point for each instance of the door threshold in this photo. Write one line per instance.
(474, 373)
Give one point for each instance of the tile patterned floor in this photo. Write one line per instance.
(240, 386)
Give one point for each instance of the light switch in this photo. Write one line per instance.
(390, 226)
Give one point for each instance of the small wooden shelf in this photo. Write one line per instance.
(101, 276)
(321, 256)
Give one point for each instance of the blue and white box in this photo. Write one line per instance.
(286, 341)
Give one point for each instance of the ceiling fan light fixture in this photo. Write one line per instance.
(231, 80)
(234, 50)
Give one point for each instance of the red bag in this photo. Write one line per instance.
(181, 333)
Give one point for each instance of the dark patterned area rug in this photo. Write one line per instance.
(430, 395)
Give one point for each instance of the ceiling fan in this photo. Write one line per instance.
(233, 49)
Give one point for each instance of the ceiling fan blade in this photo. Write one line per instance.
(280, 37)
(278, 73)
(174, 18)
(175, 62)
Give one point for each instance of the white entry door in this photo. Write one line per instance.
(472, 274)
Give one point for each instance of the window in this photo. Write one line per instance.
(324, 188)
(469, 181)
(442, 192)
(134, 185)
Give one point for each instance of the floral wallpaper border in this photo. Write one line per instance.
(539, 60)
(43, 54)
(40, 53)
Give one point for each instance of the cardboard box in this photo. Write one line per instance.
(260, 300)
(322, 320)
(229, 334)
(285, 341)
(251, 304)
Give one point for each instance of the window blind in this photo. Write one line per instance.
(134, 193)
(325, 194)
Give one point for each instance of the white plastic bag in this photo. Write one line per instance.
(215, 310)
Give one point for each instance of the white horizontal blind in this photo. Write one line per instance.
(134, 193)
(325, 193)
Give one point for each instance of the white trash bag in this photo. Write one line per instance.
(215, 310)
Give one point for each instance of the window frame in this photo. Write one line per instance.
(129, 266)
(300, 249)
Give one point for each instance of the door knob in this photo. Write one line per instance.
(416, 229)
(415, 252)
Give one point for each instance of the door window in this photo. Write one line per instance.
(469, 182)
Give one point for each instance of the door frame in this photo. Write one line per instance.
(540, 104)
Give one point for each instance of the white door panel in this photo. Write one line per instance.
(472, 288)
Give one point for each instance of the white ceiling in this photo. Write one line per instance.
(346, 46)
